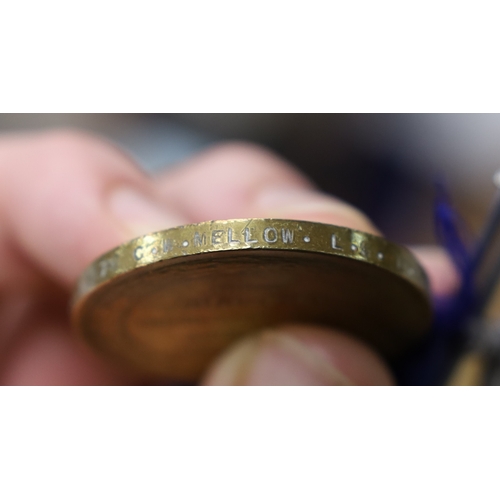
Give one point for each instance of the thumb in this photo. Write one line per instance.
(299, 355)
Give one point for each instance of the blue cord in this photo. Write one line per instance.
(430, 363)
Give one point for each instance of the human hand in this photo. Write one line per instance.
(66, 198)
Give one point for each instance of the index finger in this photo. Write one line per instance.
(246, 181)
(66, 198)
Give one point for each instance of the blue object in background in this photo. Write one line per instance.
(431, 362)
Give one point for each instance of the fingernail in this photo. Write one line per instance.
(138, 214)
(311, 205)
(274, 359)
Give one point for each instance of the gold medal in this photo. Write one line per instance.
(169, 302)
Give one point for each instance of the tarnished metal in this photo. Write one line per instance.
(169, 302)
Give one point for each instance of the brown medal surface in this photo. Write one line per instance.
(169, 302)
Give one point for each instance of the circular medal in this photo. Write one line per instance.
(169, 302)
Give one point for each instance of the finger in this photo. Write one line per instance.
(42, 351)
(65, 198)
(17, 272)
(244, 181)
(299, 355)
(241, 180)
(444, 279)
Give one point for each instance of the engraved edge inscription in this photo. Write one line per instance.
(214, 236)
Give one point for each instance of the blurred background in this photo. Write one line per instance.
(386, 164)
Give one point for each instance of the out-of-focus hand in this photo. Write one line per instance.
(66, 198)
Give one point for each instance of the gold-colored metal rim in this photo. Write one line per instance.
(169, 302)
(247, 234)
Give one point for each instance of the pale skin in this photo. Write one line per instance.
(67, 197)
